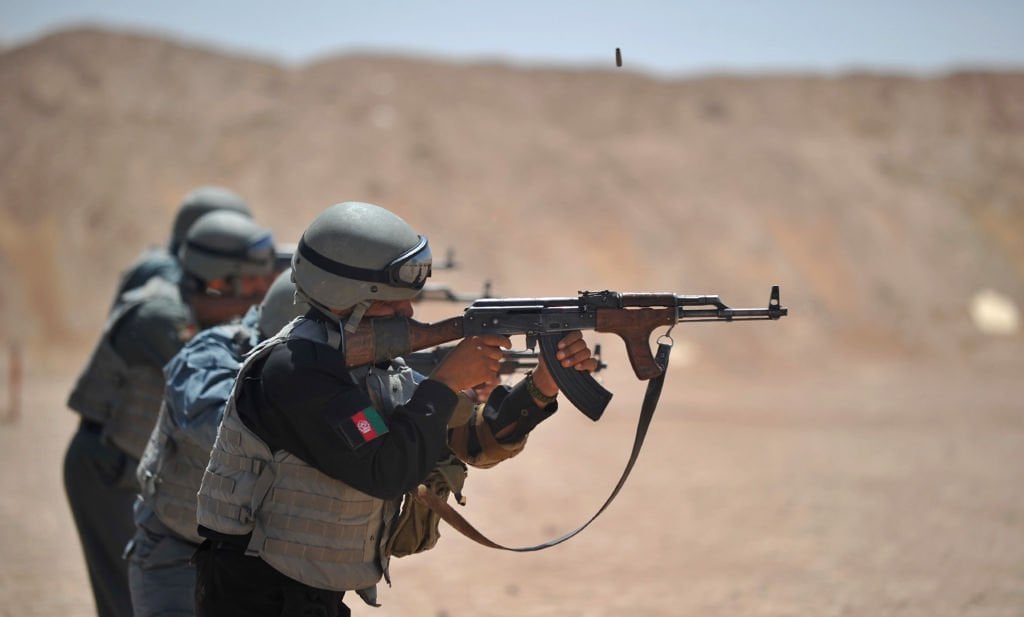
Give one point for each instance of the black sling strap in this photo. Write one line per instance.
(459, 523)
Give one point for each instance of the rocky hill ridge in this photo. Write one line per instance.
(881, 203)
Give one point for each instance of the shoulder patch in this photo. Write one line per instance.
(361, 427)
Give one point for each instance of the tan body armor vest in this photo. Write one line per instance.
(125, 399)
(307, 525)
(172, 466)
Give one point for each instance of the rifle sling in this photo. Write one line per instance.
(650, 403)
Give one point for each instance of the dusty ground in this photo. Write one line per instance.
(780, 480)
(871, 490)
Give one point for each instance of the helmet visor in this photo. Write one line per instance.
(210, 262)
(261, 250)
(411, 268)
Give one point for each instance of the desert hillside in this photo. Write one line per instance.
(881, 204)
(860, 457)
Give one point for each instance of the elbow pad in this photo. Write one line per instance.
(475, 443)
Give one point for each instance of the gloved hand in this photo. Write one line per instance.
(498, 430)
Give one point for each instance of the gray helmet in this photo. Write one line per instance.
(279, 306)
(224, 244)
(354, 253)
(197, 203)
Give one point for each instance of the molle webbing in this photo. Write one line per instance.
(305, 524)
(346, 536)
(293, 550)
(344, 510)
(318, 530)
(175, 460)
(134, 410)
(222, 509)
(233, 461)
(179, 475)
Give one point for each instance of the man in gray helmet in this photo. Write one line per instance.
(163, 262)
(300, 500)
(227, 262)
(199, 379)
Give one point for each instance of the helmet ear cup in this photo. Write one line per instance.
(345, 240)
(223, 244)
(199, 202)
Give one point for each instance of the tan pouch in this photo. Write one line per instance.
(417, 527)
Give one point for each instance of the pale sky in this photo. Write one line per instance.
(661, 37)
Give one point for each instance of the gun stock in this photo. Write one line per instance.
(383, 338)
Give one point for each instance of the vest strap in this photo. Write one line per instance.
(236, 462)
(259, 493)
(221, 509)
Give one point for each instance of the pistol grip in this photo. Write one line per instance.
(579, 387)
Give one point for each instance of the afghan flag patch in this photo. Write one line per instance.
(363, 426)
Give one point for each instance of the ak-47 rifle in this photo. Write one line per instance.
(632, 316)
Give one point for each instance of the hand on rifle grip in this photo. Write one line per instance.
(573, 352)
(574, 381)
(474, 361)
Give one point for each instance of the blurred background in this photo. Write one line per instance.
(863, 456)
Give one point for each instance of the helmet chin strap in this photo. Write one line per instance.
(351, 322)
(301, 296)
(356, 316)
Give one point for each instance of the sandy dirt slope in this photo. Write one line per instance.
(878, 490)
(781, 479)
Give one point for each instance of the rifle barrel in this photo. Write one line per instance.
(730, 314)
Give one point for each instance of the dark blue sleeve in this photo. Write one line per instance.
(199, 380)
